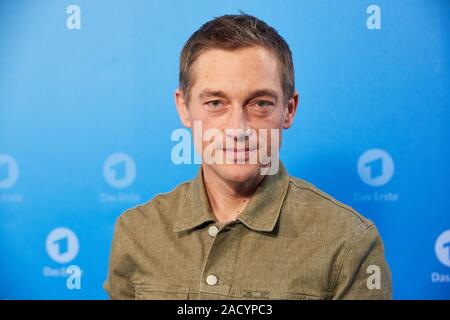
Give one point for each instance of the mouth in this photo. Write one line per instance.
(243, 154)
(239, 150)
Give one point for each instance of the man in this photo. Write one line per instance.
(243, 229)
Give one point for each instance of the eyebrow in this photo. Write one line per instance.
(208, 93)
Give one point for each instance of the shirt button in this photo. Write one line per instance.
(213, 230)
(211, 280)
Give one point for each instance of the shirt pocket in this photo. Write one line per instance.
(296, 296)
(160, 292)
(278, 295)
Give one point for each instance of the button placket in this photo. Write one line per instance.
(214, 271)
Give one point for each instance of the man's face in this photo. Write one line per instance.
(239, 89)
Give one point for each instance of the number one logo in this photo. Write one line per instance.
(375, 167)
(62, 245)
(119, 170)
(9, 171)
(442, 248)
(3, 171)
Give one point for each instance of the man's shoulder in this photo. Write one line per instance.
(165, 203)
(318, 204)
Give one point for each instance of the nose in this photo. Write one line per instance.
(237, 124)
(237, 118)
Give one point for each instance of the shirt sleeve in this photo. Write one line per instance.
(363, 272)
(118, 283)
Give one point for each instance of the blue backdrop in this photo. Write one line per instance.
(87, 112)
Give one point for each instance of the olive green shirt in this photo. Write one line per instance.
(292, 241)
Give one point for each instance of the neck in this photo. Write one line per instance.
(228, 198)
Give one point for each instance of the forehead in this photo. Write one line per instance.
(233, 71)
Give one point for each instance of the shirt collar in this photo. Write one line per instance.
(260, 214)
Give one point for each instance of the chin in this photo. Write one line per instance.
(237, 172)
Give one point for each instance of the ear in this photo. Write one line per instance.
(182, 108)
(290, 110)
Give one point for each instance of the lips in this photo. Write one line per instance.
(238, 150)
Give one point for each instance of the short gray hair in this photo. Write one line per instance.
(231, 32)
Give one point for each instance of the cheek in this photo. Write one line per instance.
(270, 131)
(203, 122)
(274, 119)
(204, 133)
(269, 139)
(198, 113)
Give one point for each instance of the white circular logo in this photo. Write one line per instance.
(62, 245)
(375, 167)
(9, 171)
(442, 248)
(119, 170)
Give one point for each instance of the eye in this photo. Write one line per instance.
(214, 104)
(261, 104)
